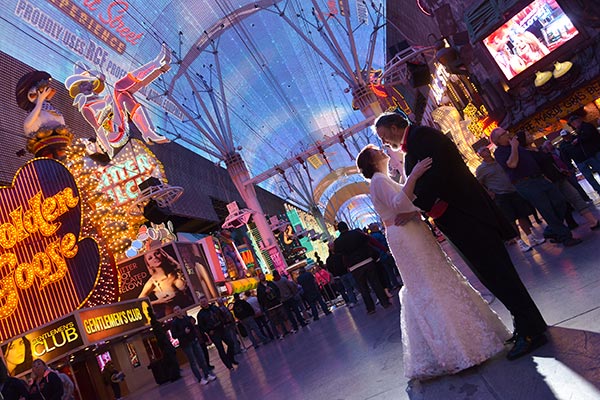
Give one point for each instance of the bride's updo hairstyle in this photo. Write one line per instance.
(366, 161)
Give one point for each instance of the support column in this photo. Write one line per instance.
(239, 175)
(316, 212)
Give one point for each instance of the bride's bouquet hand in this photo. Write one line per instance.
(421, 167)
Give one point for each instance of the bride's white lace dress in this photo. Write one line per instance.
(446, 325)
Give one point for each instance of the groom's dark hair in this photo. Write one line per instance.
(387, 120)
(342, 226)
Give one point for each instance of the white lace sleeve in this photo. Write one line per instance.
(391, 196)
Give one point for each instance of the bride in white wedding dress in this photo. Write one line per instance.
(446, 325)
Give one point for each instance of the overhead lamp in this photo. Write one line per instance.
(542, 77)
(561, 68)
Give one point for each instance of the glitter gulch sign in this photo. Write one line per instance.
(46, 269)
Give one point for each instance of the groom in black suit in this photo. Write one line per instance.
(463, 211)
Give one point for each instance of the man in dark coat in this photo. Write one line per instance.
(463, 211)
(269, 299)
(210, 320)
(184, 330)
(311, 294)
(357, 252)
(245, 314)
(341, 276)
(582, 149)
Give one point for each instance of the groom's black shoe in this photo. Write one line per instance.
(526, 344)
(511, 339)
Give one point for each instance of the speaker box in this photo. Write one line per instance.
(156, 214)
(152, 181)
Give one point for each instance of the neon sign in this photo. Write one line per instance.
(48, 343)
(46, 269)
(112, 320)
(121, 180)
(114, 18)
(55, 338)
(50, 265)
(79, 15)
(480, 122)
(131, 166)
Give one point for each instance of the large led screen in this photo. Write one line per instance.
(532, 34)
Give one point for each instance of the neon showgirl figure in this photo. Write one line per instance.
(109, 114)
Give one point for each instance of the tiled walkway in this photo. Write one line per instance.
(352, 356)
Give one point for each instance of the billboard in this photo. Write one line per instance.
(114, 320)
(158, 275)
(73, 332)
(198, 270)
(48, 343)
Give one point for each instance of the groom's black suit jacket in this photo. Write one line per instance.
(472, 222)
(449, 179)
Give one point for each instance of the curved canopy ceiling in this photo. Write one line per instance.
(277, 82)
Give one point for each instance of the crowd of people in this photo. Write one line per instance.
(278, 307)
(523, 178)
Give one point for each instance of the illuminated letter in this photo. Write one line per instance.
(50, 210)
(68, 247)
(42, 266)
(45, 228)
(53, 253)
(71, 334)
(64, 339)
(17, 219)
(24, 276)
(9, 298)
(8, 235)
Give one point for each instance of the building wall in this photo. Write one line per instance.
(406, 21)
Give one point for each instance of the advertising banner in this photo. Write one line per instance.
(114, 320)
(48, 343)
(197, 269)
(156, 274)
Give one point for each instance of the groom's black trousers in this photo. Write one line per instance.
(481, 246)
